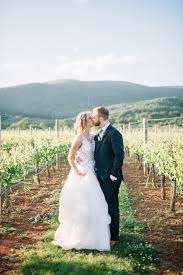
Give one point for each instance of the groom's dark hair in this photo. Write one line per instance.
(102, 112)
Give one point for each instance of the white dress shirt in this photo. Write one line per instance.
(105, 127)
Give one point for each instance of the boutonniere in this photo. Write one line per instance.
(101, 135)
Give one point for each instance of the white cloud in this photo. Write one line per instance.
(103, 66)
(12, 66)
(132, 59)
(64, 58)
(81, 1)
(76, 50)
(6, 66)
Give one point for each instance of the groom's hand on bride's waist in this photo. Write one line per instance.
(113, 178)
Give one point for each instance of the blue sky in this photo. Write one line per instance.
(132, 40)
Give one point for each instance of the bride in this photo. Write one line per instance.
(83, 210)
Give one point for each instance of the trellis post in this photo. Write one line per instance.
(145, 129)
(129, 128)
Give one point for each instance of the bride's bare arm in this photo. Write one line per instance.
(73, 152)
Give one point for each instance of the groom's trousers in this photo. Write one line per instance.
(111, 191)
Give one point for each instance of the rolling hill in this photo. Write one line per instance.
(43, 102)
(165, 107)
(60, 99)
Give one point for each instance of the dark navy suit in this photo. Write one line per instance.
(109, 155)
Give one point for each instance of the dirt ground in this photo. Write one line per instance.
(163, 229)
(21, 231)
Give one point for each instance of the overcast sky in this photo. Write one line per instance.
(132, 40)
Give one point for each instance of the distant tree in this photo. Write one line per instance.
(66, 122)
(63, 123)
(22, 124)
(39, 125)
(43, 125)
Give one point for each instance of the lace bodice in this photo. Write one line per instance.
(86, 154)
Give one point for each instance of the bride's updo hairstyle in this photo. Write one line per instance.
(81, 122)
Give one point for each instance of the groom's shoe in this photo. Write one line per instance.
(113, 243)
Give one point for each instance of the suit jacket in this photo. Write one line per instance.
(109, 154)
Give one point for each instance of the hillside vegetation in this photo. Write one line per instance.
(167, 107)
(63, 99)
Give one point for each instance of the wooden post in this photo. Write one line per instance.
(30, 128)
(154, 176)
(129, 128)
(19, 131)
(57, 136)
(163, 193)
(56, 128)
(155, 129)
(173, 196)
(124, 128)
(49, 129)
(144, 168)
(145, 129)
(169, 128)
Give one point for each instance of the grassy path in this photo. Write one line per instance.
(27, 231)
(132, 256)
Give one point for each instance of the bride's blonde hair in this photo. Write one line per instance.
(81, 121)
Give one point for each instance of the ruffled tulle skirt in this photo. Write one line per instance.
(83, 214)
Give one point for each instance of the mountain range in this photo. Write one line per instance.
(65, 98)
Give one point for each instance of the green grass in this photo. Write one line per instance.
(132, 256)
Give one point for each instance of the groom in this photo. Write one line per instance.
(109, 155)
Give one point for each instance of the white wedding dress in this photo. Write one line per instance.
(83, 210)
